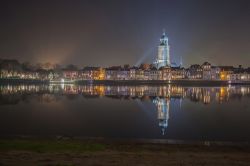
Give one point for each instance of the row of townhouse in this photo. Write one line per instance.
(204, 71)
(195, 72)
(121, 73)
(135, 73)
(145, 72)
(239, 74)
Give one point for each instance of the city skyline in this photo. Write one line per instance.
(124, 82)
(96, 33)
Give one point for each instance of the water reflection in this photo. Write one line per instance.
(162, 106)
(159, 96)
(205, 95)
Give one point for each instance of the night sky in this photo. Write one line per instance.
(115, 32)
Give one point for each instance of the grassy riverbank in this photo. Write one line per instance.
(92, 152)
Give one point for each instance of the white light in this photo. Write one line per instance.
(62, 80)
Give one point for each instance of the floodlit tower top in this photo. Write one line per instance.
(164, 39)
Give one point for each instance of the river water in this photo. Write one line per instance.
(147, 112)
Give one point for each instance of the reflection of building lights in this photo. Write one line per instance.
(243, 90)
(205, 95)
(222, 92)
(207, 99)
(100, 90)
(162, 106)
(62, 83)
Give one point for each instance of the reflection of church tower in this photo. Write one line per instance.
(163, 57)
(162, 106)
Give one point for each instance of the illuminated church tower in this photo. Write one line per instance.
(163, 57)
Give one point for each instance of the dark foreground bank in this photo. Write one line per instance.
(58, 152)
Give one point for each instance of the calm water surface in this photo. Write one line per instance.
(165, 112)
